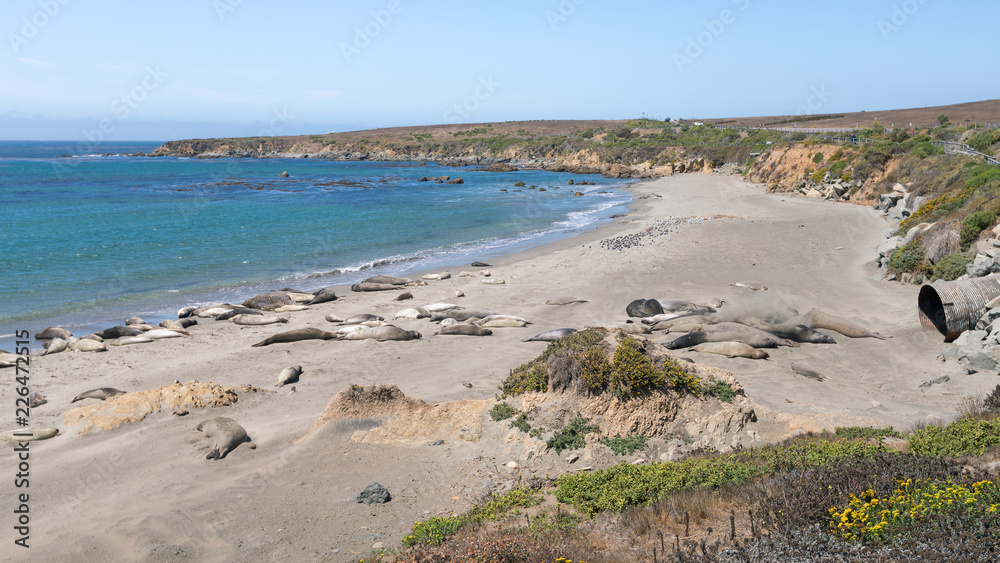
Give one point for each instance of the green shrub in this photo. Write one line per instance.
(985, 139)
(925, 149)
(909, 258)
(587, 133)
(433, 531)
(625, 485)
(534, 375)
(502, 411)
(951, 267)
(505, 505)
(865, 432)
(626, 445)
(632, 372)
(818, 158)
(595, 370)
(720, 390)
(967, 436)
(572, 436)
(818, 176)
(521, 423)
(973, 224)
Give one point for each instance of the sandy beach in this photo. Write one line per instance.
(145, 491)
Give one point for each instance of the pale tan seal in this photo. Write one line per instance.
(382, 333)
(28, 434)
(289, 375)
(732, 349)
(819, 319)
(465, 329)
(806, 370)
(227, 434)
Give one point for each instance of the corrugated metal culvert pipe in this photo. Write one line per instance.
(954, 307)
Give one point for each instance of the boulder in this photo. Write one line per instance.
(814, 193)
(374, 493)
(983, 266)
(940, 241)
(455, 181)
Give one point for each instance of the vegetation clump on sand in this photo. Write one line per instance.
(580, 363)
(840, 496)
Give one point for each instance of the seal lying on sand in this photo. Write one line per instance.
(679, 306)
(732, 349)
(819, 319)
(403, 296)
(101, 393)
(226, 432)
(28, 434)
(268, 301)
(644, 308)
(391, 280)
(53, 332)
(695, 338)
(795, 332)
(119, 332)
(372, 287)
(564, 300)
(381, 333)
(255, 320)
(237, 311)
(296, 335)
(551, 335)
(289, 375)
(362, 318)
(806, 370)
(466, 329)
(324, 295)
(461, 315)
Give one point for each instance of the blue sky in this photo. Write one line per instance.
(159, 71)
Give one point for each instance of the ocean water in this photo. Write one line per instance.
(89, 238)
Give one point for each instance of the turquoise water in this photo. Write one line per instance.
(89, 240)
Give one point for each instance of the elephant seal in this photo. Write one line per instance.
(732, 349)
(290, 308)
(53, 332)
(695, 338)
(185, 312)
(679, 306)
(751, 285)
(331, 318)
(226, 432)
(163, 333)
(391, 280)
(806, 370)
(818, 319)
(460, 315)
(715, 303)
(438, 276)
(403, 296)
(268, 301)
(210, 312)
(55, 346)
(255, 320)
(494, 281)
(36, 399)
(411, 314)
(478, 264)
(129, 340)
(295, 336)
(238, 311)
(796, 333)
(289, 375)
(362, 318)
(88, 345)
(382, 333)
(324, 295)
(564, 300)
(119, 332)
(372, 287)
(465, 329)
(441, 307)
(551, 335)
(300, 297)
(132, 321)
(28, 434)
(628, 327)
(448, 322)
(644, 308)
(101, 393)
(500, 321)
(177, 325)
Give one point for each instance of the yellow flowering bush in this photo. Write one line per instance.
(868, 518)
